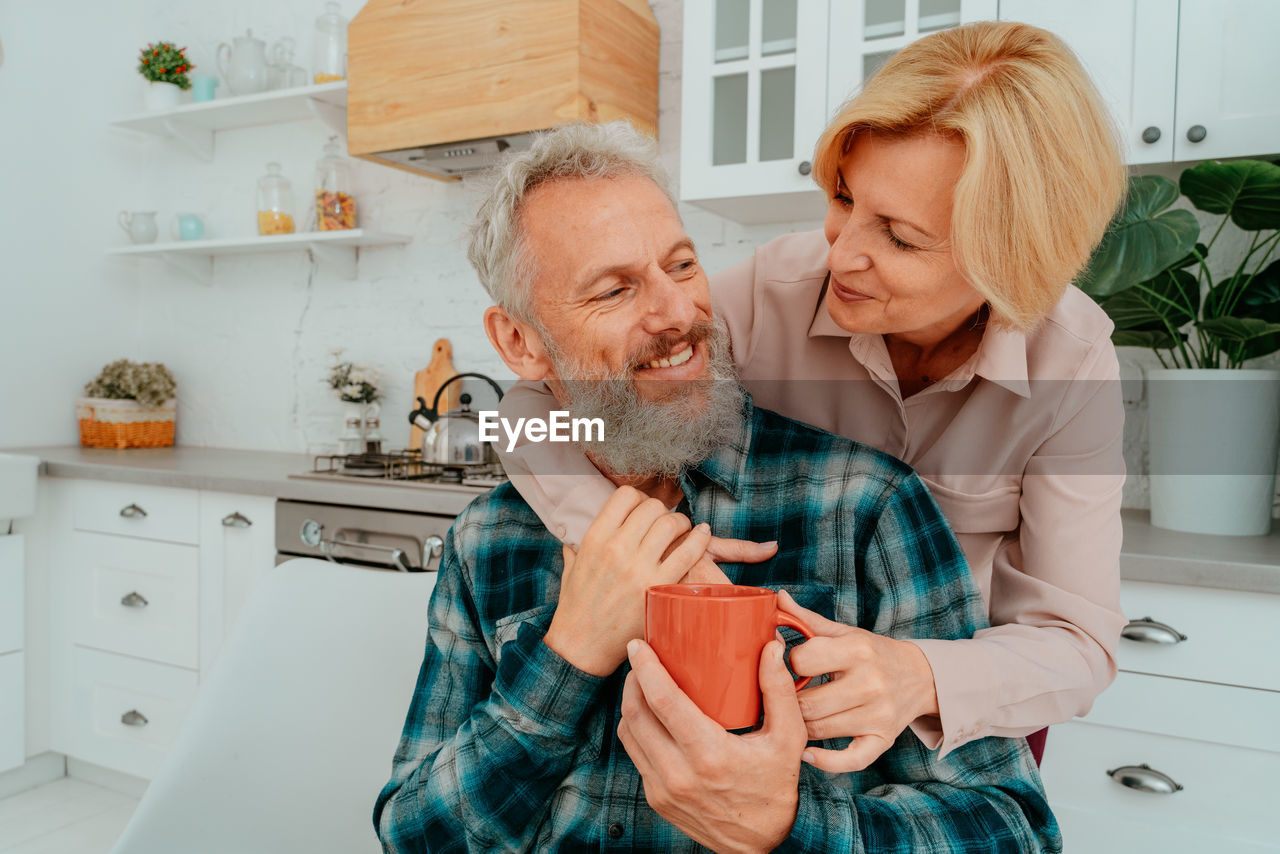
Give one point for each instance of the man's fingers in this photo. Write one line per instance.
(740, 551)
(821, 625)
(781, 712)
(670, 707)
(705, 571)
(857, 756)
(612, 515)
(632, 703)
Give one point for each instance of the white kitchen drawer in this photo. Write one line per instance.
(1227, 802)
(12, 711)
(151, 512)
(112, 690)
(1231, 637)
(11, 593)
(136, 597)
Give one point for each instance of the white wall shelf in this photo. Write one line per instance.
(194, 125)
(194, 258)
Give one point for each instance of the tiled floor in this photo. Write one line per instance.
(67, 816)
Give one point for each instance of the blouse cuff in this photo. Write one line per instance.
(966, 688)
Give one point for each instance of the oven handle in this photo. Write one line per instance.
(398, 560)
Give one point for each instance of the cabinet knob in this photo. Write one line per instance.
(805, 167)
(1151, 134)
(133, 717)
(133, 511)
(1148, 630)
(236, 520)
(1195, 133)
(1144, 778)
(134, 600)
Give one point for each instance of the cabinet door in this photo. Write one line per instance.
(1130, 49)
(865, 33)
(12, 711)
(1228, 79)
(754, 95)
(11, 593)
(237, 548)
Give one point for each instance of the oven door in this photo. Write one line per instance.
(360, 536)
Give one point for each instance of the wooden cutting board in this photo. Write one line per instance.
(428, 380)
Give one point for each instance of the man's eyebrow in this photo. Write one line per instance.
(595, 274)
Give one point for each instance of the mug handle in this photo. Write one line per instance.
(125, 220)
(782, 618)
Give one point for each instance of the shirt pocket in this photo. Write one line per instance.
(505, 630)
(985, 510)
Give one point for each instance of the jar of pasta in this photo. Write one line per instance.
(275, 202)
(329, 53)
(335, 209)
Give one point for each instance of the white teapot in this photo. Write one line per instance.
(245, 68)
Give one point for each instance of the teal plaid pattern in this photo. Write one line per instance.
(508, 747)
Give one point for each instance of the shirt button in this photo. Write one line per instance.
(615, 831)
(561, 530)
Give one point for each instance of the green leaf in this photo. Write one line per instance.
(1247, 337)
(1170, 300)
(1246, 190)
(1143, 238)
(1154, 339)
(1192, 258)
(1260, 298)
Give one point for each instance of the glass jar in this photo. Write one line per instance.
(372, 436)
(275, 202)
(335, 209)
(283, 74)
(329, 58)
(352, 440)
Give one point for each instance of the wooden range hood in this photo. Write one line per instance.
(441, 87)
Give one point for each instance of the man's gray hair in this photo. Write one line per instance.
(579, 150)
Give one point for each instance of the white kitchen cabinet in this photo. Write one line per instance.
(145, 581)
(760, 80)
(1195, 701)
(1184, 79)
(12, 673)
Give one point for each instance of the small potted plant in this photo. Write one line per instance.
(128, 405)
(165, 68)
(356, 386)
(1214, 425)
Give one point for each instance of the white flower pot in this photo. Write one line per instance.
(161, 96)
(1214, 437)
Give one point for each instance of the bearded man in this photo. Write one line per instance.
(540, 721)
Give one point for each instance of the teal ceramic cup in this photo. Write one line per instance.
(202, 86)
(188, 227)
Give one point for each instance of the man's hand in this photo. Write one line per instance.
(727, 792)
(626, 549)
(878, 687)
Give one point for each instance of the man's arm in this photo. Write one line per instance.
(484, 747)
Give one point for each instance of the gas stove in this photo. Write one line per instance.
(401, 468)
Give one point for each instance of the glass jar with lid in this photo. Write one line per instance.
(335, 209)
(283, 74)
(275, 202)
(329, 57)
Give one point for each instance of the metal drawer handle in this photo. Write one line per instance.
(133, 717)
(432, 548)
(1144, 778)
(133, 511)
(1148, 630)
(236, 520)
(135, 600)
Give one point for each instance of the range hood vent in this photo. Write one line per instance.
(444, 87)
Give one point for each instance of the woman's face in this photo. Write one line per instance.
(889, 227)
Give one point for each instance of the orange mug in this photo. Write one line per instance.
(709, 638)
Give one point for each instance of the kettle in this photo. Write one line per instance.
(453, 438)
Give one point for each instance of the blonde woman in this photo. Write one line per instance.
(933, 318)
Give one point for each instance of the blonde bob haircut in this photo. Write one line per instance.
(1043, 173)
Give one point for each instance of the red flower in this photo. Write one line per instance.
(146, 62)
(181, 68)
(161, 70)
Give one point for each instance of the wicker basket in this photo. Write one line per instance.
(125, 423)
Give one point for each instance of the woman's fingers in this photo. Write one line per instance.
(725, 550)
(860, 753)
(821, 625)
(831, 698)
(706, 572)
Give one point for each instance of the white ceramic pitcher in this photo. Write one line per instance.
(244, 67)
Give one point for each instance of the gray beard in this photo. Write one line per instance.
(655, 438)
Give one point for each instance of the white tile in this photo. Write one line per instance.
(94, 835)
(28, 817)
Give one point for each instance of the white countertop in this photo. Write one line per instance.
(1149, 554)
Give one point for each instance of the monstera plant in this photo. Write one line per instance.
(1151, 273)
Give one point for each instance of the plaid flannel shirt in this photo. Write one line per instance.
(508, 747)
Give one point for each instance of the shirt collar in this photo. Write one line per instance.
(727, 465)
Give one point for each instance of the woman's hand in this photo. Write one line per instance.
(878, 687)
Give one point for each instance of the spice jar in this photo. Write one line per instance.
(329, 57)
(275, 202)
(335, 209)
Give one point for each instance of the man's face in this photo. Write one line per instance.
(618, 288)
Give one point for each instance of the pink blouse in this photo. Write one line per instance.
(1021, 447)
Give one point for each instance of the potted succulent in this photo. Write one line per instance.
(165, 68)
(128, 405)
(1214, 425)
